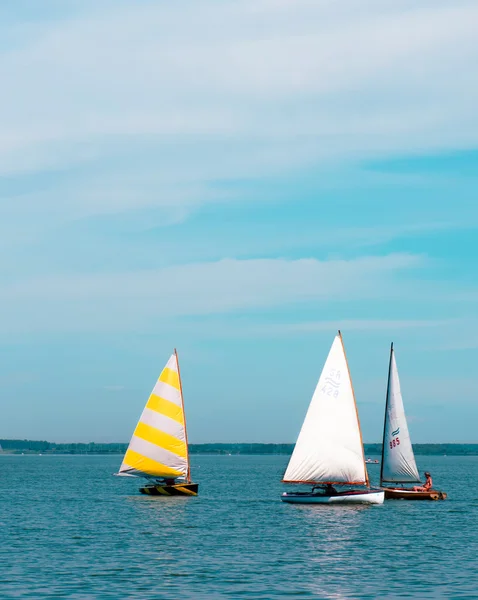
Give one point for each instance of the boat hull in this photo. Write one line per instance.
(349, 497)
(179, 489)
(404, 494)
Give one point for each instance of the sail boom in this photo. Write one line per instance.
(149, 477)
(401, 481)
(325, 482)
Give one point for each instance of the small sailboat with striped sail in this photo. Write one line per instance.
(398, 459)
(158, 450)
(329, 450)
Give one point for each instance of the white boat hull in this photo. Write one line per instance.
(355, 497)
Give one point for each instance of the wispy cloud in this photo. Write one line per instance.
(253, 86)
(132, 299)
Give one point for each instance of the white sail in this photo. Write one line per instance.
(398, 460)
(158, 448)
(329, 447)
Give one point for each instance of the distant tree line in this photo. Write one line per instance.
(241, 448)
(35, 447)
(43, 447)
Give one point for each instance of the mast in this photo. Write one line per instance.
(386, 412)
(188, 476)
(367, 481)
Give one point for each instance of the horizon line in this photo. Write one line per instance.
(223, 443)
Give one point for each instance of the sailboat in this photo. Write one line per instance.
(398, 460)
(329, 450)
(158, 450)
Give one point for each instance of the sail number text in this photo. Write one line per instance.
(332, 383)
(395, 442)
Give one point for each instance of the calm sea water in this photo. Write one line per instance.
(71, 530)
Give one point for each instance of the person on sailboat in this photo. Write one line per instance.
(427, 486)
(328, 490)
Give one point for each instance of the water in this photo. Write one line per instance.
(71, 530)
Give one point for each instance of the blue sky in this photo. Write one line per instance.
(238, 180)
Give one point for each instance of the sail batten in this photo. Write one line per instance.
(329, 447)
(398, 459)
(158, 447)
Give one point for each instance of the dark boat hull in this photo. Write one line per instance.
(178, 489)
(404, 494)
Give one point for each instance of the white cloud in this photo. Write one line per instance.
(150, 105)
(258, 85)
(144, 300)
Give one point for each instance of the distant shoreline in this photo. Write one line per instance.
(44, 447)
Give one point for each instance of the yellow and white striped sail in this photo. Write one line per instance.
(158, 447)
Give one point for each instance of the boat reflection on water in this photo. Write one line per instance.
(156, 515)
(334, 536)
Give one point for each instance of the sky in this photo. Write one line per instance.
(237, 179)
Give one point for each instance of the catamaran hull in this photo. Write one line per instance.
(354, 497)
(404, 494)
(185, 489)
